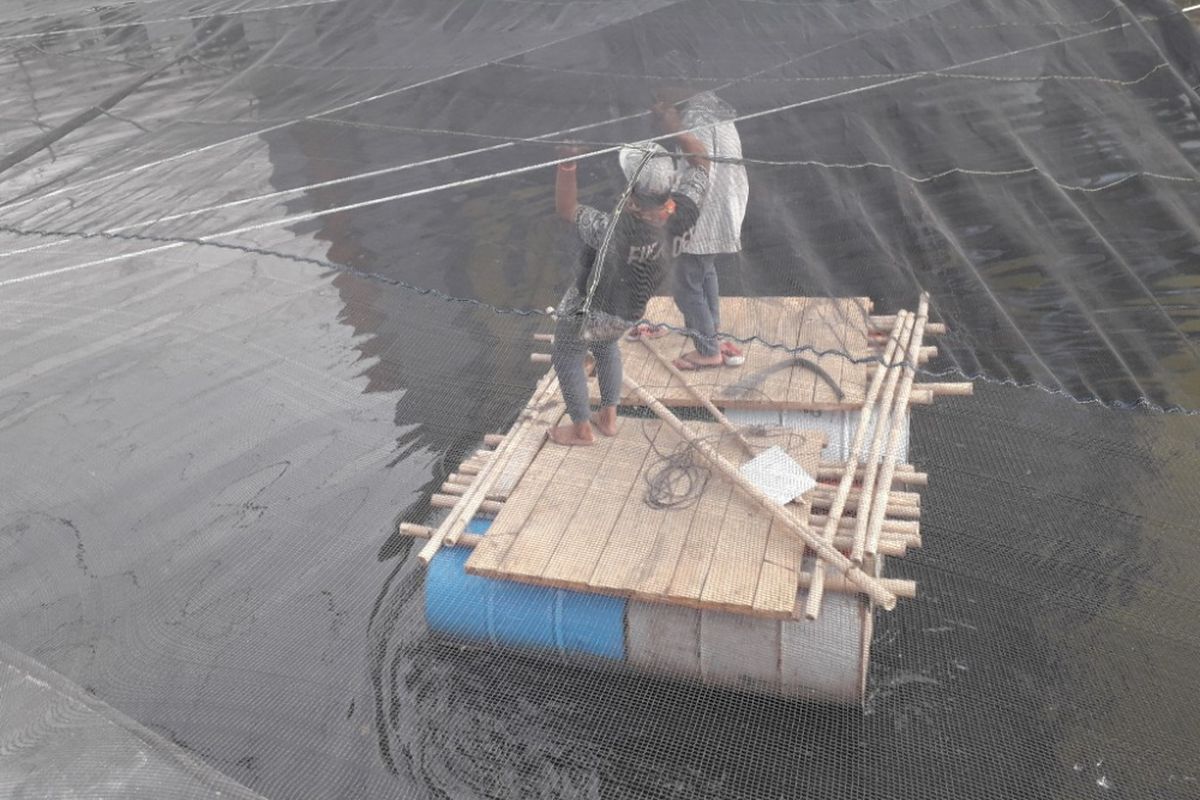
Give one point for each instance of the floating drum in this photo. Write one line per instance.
(825, 659)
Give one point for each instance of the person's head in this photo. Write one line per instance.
(674, 71)
(651, 171)
(671, 93)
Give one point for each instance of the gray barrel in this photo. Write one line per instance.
(825, 659)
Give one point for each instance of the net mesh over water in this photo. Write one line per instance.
(269, 272)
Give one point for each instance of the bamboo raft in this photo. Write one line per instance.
(575, 520)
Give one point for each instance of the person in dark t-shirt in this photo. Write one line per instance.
(616, 279)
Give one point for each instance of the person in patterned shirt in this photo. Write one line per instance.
(612, 288)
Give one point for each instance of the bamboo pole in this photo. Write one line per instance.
(452, 501)
(884, 323)
(456, 522)
(695, 393)
(812, 605)
(875, 521)
(458, 490)
(836, 583)
(782, 515)
(424, 532)
(895, 498)
(905, 474)
(959, 389)
(861, 507)
(885, 419)
(906, 529)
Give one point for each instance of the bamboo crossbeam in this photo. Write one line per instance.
(540, 358)
(905, 474)
(452, 501)
(475, 498)
(928, 353)
(785, 517)
(957, 389)
(544, 337)
(812, 606)
(887, 418)
(886, 323)
(493, 439)
(698, 396)
(862, 506)
(822, 492)
(471, 467)
(424, 532)
(875, 522)
(458, 490)
(907, 529)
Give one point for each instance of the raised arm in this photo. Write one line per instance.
(566, 190)
(668, 119)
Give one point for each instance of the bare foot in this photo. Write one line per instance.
(693, 360)
(572, 434)
(605, 420)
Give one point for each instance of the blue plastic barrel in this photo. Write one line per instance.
(507, 613)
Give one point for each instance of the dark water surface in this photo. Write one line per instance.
(206, 444)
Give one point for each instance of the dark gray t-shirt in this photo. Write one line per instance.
(639, 253)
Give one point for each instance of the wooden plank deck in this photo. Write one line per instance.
(578, 519)
(836, 326)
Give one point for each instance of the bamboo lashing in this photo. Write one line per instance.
(812, 605)
(885, 418)
(824, 549)
(456, 521)
(697, 395)
(875, 521)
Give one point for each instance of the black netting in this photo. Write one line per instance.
(271, 270)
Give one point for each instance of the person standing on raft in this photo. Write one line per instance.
(718, 233)
(616, 281)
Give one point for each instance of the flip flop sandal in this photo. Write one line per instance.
(692, 366)
(732, 355)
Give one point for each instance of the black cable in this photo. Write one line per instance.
(749, 383)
